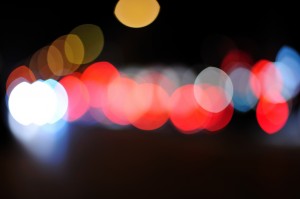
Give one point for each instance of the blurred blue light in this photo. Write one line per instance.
(288, 64)
(47, 143)
(243, 96)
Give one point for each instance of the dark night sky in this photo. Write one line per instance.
(176, 35)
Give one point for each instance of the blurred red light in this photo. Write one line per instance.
(271, 117)
(185, 112)
(96, 79)
(221, 119)
(236, 58)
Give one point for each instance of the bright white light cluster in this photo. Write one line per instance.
(39, 103)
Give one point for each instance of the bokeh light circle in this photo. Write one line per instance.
(217, 86)
(84, 44)
(185, 113)
(244, 98)
(137, 13)
(271, 116)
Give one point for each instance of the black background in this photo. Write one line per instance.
(235, 163)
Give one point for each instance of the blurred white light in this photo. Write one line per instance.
(217, 89)
(38, 103)
(43, 103)
(18, 103)
(47, 143)
(62, 100)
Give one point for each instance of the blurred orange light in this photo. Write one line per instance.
(137, 13)
(20, 72)
(39, 64)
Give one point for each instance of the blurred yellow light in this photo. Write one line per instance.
(57, 59)
(84, 44)
(137, 13)
(74, 49)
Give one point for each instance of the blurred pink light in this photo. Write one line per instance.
(150, 103)
(78, 97)
(116, 105)
(269, 79)
(213, 98)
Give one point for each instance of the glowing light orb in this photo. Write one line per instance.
(20, 72)
(288, 64)
(270, 81)
(117, 103)
(44, 103)
(57, 59)
(62, 100)
(185, 113)
(39, 64)
(243, 97)
(13, 84)
(221, 119)
(235, 58)
(19, 103)
(96, 78)
(271, 116)
(84, 44)
(152, 105)
(74, 49)
(217, 86)
(33, 103)
(137, 13)
(78, 97)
